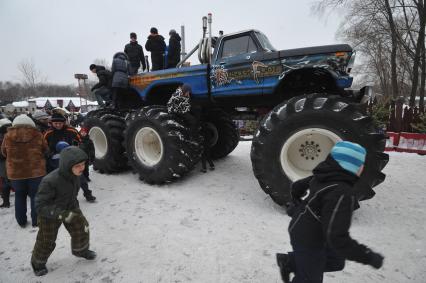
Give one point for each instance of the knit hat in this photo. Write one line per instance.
(4, 122)
(133, 35)
(154, 30)
(186, 88)
(40, 115)
(349, 155)
(23, 120)
(56, 117)
(61, 145)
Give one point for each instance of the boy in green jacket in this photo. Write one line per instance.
(56, 204)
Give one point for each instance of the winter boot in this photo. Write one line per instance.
(5, 204)
(90, 198)
(39, 270)
(87, 254)
(283, 261)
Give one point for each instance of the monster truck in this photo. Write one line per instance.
(304, 93)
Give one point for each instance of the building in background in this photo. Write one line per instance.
(72, 104)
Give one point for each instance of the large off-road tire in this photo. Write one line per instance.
(160, 146)
(106, 132)
(298, 134)
(225, 133)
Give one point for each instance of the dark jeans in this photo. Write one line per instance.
(206, 158)
(85, 186)
(5, 190)
(171, 65)
(310, 265)
(23, 189)
(157, 60)
(133, 70)
(103, 94)
(86, 171)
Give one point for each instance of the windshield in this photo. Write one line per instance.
(265, 41)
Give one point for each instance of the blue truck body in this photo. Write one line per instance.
(245, 64)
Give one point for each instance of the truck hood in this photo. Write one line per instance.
(315, 50)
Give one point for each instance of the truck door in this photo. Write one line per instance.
(235, 70)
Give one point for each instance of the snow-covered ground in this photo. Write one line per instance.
(218, 227)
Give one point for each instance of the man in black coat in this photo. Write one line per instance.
(156, 45)
(135, 54)
(173, 56)
(319, 229)
(102, 89)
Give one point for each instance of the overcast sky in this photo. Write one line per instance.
(64, 37)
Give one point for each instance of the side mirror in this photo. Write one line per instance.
(365, 94)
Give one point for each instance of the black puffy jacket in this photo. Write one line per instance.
(120, 70)
(156, 45)
(104, 76)
(324, 215)
(173, 56)
(135, 53)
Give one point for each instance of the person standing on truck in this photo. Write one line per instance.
(120, 77)
(173, 56)
(102, 89)
(319, 228)
(134, 52)
(156, 45)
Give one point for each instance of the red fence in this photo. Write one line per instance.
(400, 131)
(401, 117)
(406, 142)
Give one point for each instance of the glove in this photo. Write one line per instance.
(376, 260)
(66, 216)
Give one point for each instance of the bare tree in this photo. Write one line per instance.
(31, 76)
(391, 36)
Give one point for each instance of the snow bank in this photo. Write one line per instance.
(218, 227)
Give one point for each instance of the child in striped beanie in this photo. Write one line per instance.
(321, 218)
(350, 156)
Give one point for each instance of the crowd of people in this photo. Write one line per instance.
(45, 159)
(129, 62)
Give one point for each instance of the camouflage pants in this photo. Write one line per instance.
(48, 231)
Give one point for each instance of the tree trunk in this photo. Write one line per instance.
(417, 56)
(394, 37)
(423, 81)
